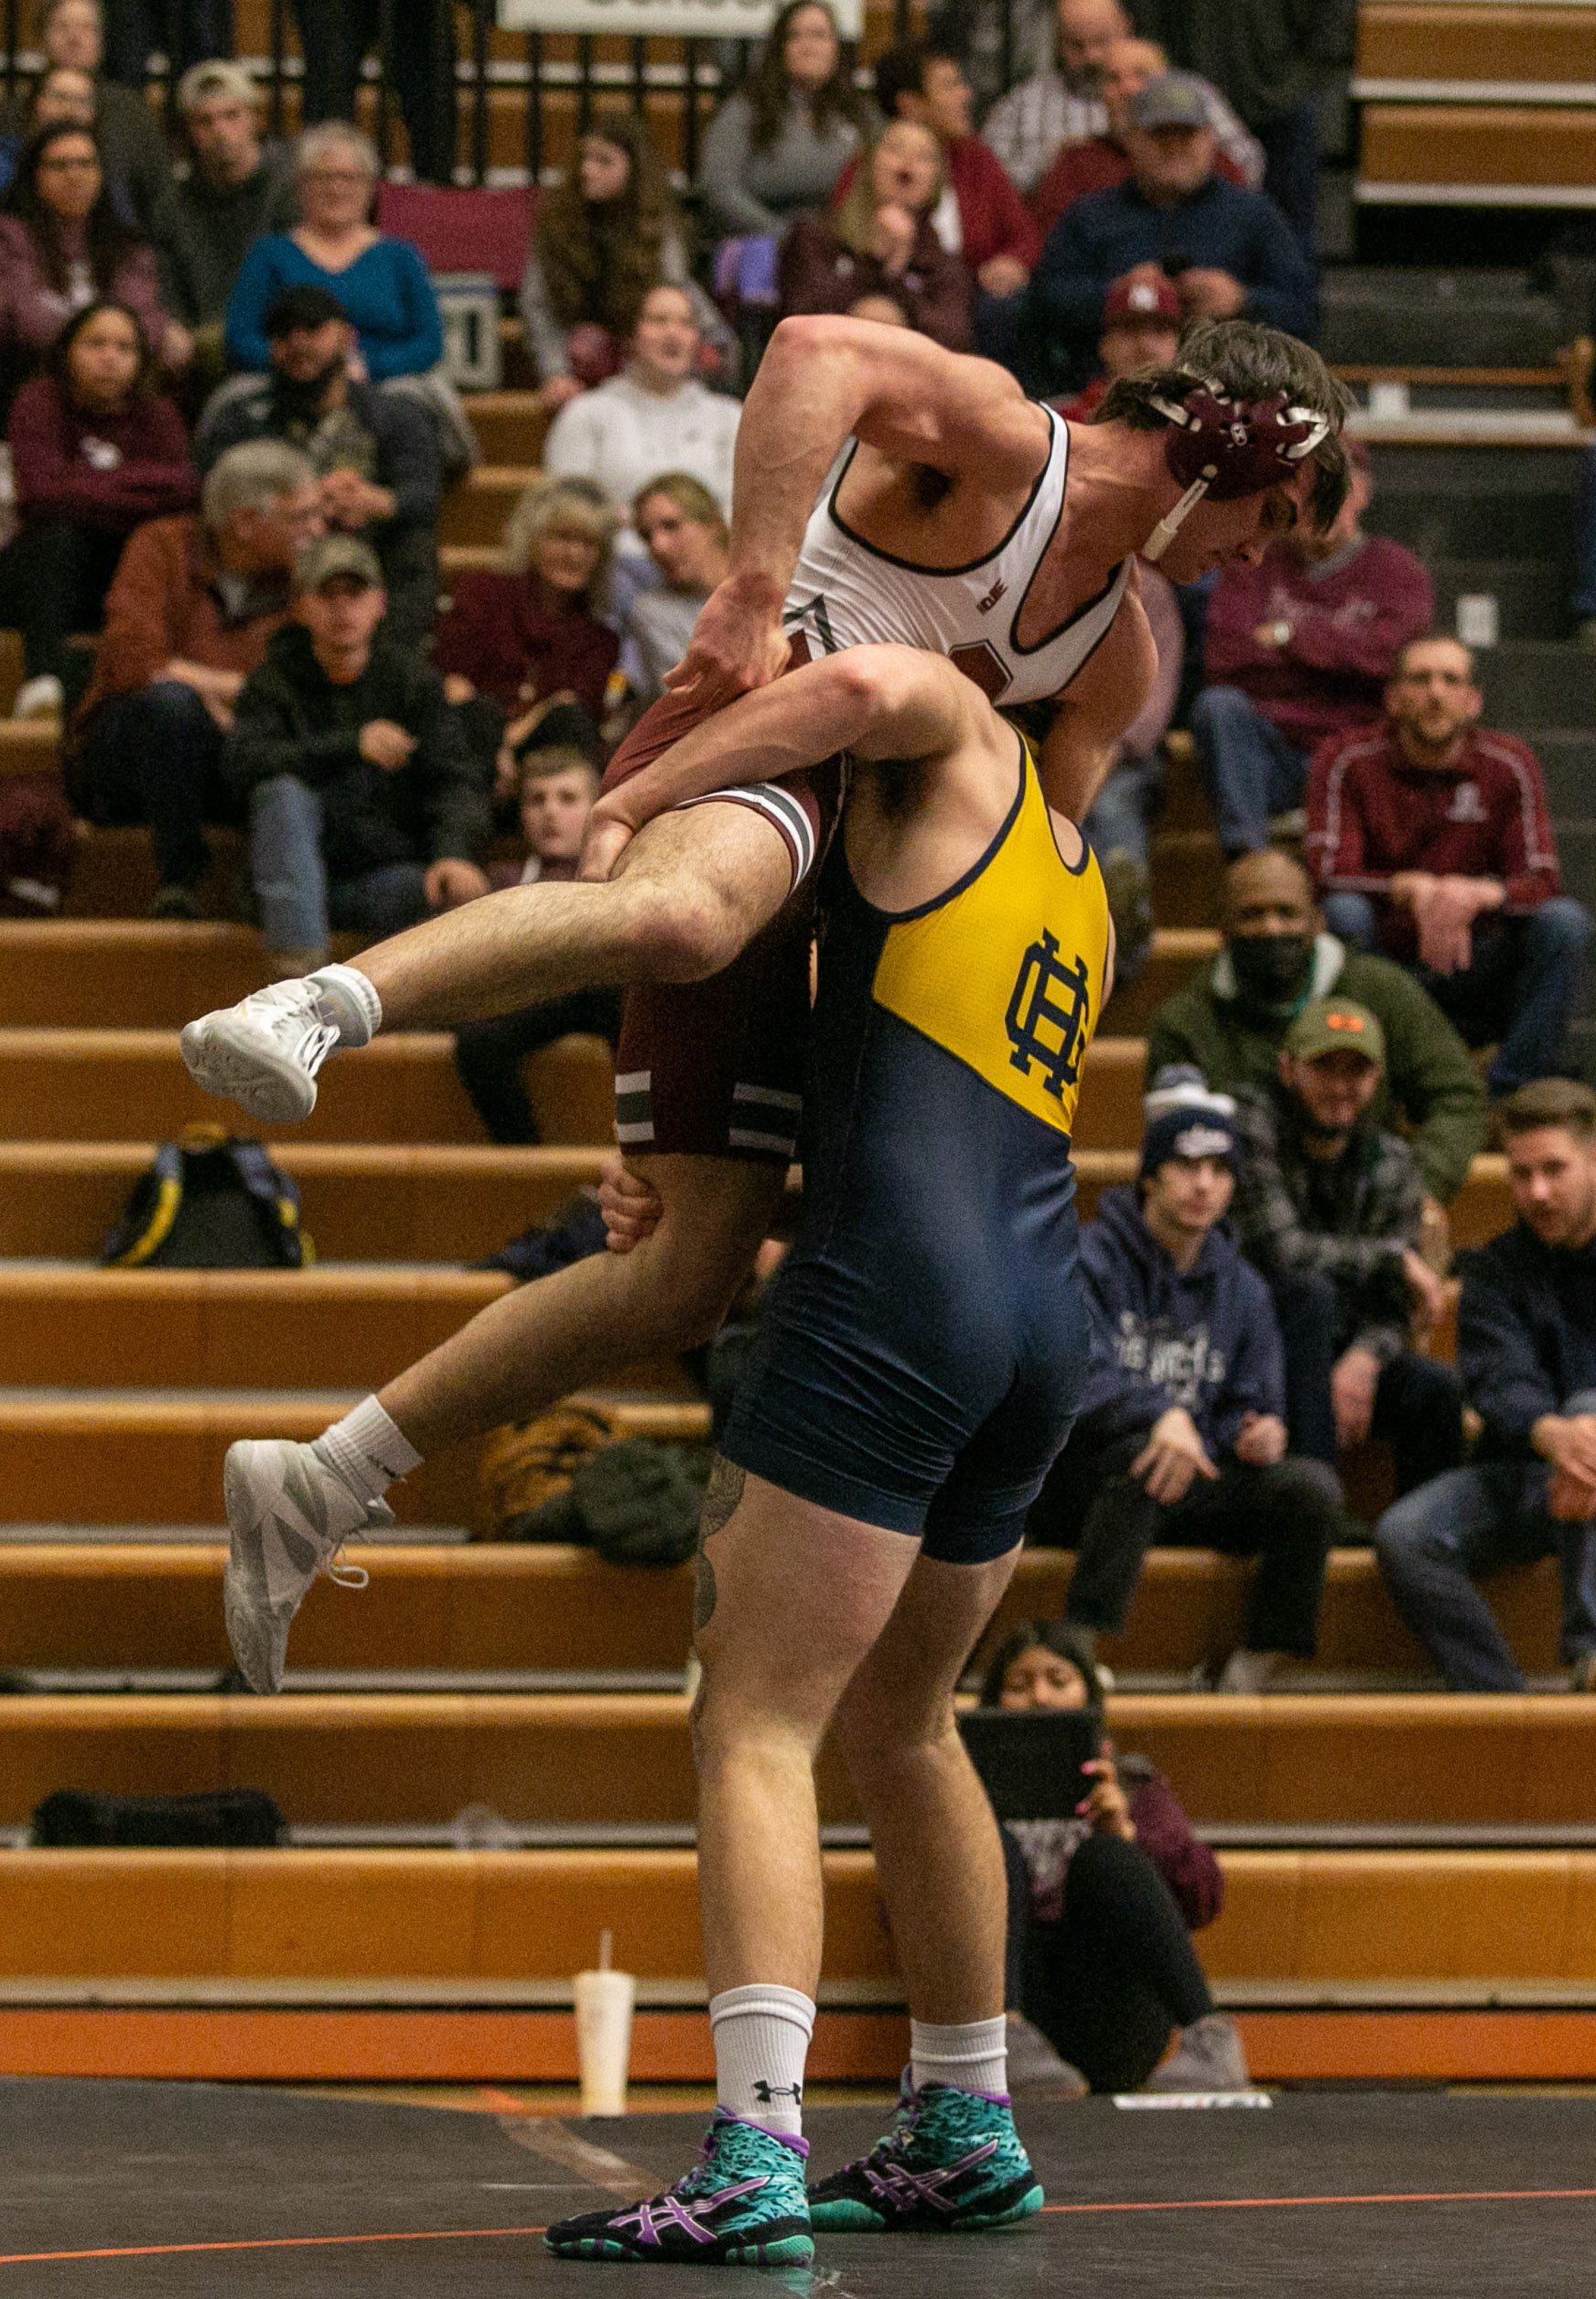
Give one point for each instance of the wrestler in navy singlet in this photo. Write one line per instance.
(921, 1358)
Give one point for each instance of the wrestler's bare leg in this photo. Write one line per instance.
(585, 1322)
(805, 1614)
(692, 889)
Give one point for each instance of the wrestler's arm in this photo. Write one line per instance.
(823, 381)
(1105, 698)
(876, 702)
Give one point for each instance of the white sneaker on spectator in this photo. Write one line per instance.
(1207, 2058)
(288, 1515)
(41, 697)
(1036, 2072)
(1251, 1671)
(264, 1053)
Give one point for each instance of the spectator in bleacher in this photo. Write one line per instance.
(190, 32)
(188, 618)
(1527, 1351)
(418, 63)
(62, 97)
(775, 148)
(1141, 327)
(1298, 648)
(382, 284)
(1180, 1440)
(1265, 55)
(1099, 162)
(655, 415)
(1429, 841)
(518, 636)
(880, 241)
(685, 531)
(1061, 103)
(375, 451)
(127, 131)
(95, 452)
(367, 810)
(603, 238)
(1330, 1207)
(1230, 251)
(237, 190)
(1100, 1966)
(1232, 1018)
(980, 218)
(998, 43)
(63, 246)
(557, 787)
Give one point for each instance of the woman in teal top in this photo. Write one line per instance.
(382, 284)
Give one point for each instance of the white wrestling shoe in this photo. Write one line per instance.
(289, 1516)
(263, 1053)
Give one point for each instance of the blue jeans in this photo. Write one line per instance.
(1418, 1404)
(1527, 977)
(1247, 768)
(1434, 1544)
(299, 904)
(1124, 806)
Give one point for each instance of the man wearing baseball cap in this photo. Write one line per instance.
(1329, 1208)
(1182, 1437)
(375, 452)
(367, 809)
(1231, 251)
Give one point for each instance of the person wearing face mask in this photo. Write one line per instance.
(1299, 647)
(1181, 1439)
(1100, 1966)
(375, 452)
(1329, 1208)
(1527, 1351)
(1229, 1020)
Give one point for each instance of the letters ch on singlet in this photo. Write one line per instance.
(1041, 1029)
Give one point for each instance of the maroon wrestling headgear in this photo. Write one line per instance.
(1225, 448)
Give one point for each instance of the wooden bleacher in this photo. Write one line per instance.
(119, 1392)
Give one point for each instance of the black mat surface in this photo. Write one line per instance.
(116, 2167)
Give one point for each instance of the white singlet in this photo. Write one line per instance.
(847, 593)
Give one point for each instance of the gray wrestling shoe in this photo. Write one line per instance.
(289, 1515)
(264, 1053)
(1036, 2072)
(1208, 2058)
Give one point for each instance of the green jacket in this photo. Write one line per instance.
(1429, 1080)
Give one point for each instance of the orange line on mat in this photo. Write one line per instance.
(468, 2235)
(269, 2243)
(1299, 2203)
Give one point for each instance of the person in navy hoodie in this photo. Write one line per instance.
(1181, 1439)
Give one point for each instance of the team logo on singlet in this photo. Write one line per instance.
(1048, 1015)
(813, 617)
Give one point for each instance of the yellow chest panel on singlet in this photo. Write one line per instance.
(1006, 971)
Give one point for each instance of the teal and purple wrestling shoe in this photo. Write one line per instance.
(743, 2204)
(952, 2162)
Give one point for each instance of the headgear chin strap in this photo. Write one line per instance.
(1223, 448)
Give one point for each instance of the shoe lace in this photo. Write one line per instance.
(338, 1569)
(308, 1040)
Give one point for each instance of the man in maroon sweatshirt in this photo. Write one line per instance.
(1298, 648)
(1429, 840)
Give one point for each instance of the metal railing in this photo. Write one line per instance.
(698, 70)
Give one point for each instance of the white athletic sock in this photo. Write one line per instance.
(761, 2040)
(351, 1001)
(367, 1451)
(972, 2057)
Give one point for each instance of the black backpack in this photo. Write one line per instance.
(217, 1818)
(210, 1201)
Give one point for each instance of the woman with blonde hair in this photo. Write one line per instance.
(879, 244)
(519, 637)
